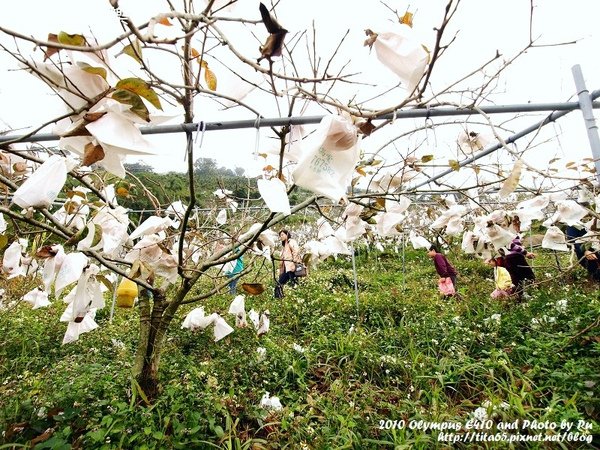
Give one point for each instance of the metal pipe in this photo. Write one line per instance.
(355, 280)
(585, 104)
(536, 126)
(304, 120)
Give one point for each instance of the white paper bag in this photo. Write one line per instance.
(43, 186)
(403, 54)
(221, 329)
(37, 298)
(273, 192)
(70, 271)
(326, 168)
(554, 239)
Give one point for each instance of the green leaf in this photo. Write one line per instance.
(105, 281)
(141, 88)
(136, 102)
(426, 158)
(219, 432)
(71, 39)
(138, 390)
(454, 165)
(134, 50)
(91, 69)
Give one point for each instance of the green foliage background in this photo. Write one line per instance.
(402, 353)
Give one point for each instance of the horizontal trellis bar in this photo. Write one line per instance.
(305, 120)
(492, 148)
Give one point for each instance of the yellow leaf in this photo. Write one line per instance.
(512, 181)
(71, 39)
(195, 53)
(134, 50)
(407, 19)
(454, 165)
(130, 98)
(211, 79)
(141, 88)
(361, 171)
(426, 158)
(165, 21)
(71, 194)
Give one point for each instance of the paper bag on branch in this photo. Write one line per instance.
(554, 239)
(274, 194)
(43, 186)
(327, 166)
(402, 53)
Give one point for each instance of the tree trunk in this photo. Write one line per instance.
(152, 332)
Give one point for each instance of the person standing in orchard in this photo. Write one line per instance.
(287, 265)
(442, 266)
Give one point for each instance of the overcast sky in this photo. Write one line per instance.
(483, 26)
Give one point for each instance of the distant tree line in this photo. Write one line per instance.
(172, 186)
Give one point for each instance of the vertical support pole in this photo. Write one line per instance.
(355, 280)
(403, 263)
(530, 240)
(114, 300)
(585, 104)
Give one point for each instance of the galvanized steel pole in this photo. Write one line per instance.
(585, 104)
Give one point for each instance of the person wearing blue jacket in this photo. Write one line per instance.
(235, 267)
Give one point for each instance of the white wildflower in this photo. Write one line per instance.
(268, 402)
(298, 348)
(561, 305)
(480, 414)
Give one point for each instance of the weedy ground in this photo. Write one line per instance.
(349, 373)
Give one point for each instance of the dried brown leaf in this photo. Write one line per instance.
(92, 154)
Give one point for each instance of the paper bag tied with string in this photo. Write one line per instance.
(554, 239)
(328, 163)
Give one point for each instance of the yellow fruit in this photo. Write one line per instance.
(122, 191)
(126, 293)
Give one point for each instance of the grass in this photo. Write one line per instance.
(347, 375)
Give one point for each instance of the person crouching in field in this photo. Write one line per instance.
(518, 268)
(442, 266)
(502, 281)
